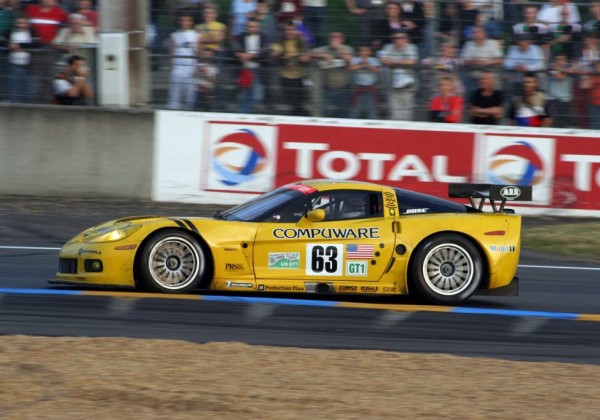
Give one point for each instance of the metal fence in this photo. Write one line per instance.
(336, 87)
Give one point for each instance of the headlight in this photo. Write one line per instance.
(112, 233)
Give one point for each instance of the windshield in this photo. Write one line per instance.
(256, 209)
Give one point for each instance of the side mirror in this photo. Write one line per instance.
(317, 215)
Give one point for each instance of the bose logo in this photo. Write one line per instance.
(510, 193)
(416, 211)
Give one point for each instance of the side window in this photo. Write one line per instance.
(290, 212)
(349, 204)
(411, 202)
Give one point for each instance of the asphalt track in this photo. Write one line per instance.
(556, 317)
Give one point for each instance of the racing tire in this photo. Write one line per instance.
(447, 269)
(171, 261)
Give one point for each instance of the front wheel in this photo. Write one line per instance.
(447, 269)
(171, 262)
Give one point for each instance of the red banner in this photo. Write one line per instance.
(422, 160)
(564, 170)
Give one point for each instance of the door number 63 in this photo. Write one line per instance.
(324, 260)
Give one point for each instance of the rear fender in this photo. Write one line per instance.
(485, 280)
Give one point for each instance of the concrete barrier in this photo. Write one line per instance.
(75, 152)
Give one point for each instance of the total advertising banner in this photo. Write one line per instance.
(422, 160)
(228, 158)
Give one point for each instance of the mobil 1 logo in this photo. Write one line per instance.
(324, 259)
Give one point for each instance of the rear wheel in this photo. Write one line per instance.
(171, 262)
(447, 269)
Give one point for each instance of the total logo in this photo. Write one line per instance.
(241, 157)
(343, 164)
(519, 161)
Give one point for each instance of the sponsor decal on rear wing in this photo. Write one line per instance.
(491, 193)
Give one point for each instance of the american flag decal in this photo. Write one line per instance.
(359, 252)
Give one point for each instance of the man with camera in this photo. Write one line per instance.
(71, 86)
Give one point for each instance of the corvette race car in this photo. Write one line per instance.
(317, 236)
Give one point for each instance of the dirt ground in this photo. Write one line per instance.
(77, 378)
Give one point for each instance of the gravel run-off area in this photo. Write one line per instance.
(109, 378)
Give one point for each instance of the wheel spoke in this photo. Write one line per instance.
(174, 262)
(448, 269)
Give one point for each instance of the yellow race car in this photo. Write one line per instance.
(317, 236)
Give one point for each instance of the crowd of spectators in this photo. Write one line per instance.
(41, 51)
(529, 63)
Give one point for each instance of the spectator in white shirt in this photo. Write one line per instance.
(78, 34)
(536, 29)
(400, 58)
(21, 43)
(184, 59)
(550, 13)
(479, 54)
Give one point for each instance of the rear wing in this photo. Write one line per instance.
(491, 193)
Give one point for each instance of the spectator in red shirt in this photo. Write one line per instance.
(46, 19)
(446, 107)
(84, 7)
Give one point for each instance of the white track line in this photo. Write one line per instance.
(559, 267)
(30, 248)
